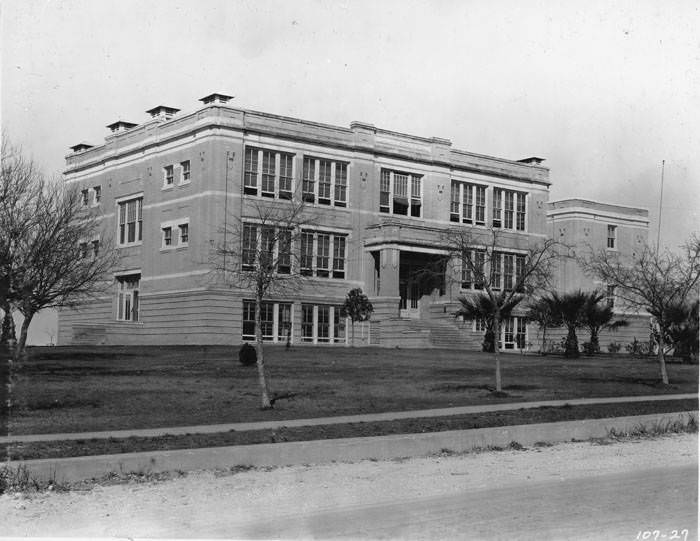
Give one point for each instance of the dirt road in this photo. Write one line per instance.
(569, 491)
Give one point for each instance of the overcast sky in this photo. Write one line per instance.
(603, 90)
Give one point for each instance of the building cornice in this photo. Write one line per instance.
(360, 138)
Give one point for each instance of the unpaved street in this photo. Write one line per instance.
(569, 491)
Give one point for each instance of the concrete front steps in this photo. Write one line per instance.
(438, 328)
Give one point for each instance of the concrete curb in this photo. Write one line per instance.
(338, 450)
(362, 418)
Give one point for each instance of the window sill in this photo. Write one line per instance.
(130, 245)
(167, 187)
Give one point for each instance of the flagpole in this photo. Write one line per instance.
(661, 199)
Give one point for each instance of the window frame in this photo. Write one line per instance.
(611, 243)
(328, 261)
(168, 176)
(391, 201)
(185, 172)
(318, 172)
(122, 227)
(509, 210)
(263, 170)
(128, 298)
(464, 203)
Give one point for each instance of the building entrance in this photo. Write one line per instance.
(419, 275)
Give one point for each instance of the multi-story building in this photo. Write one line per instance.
(589, 227)
(166, 188)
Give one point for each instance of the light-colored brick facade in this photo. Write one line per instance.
(187, 173)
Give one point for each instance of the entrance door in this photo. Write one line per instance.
(409, 290)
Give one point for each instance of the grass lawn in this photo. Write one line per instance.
(75, 389)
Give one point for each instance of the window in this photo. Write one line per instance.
(84, 197)
(268, 173)
(95, 248)
(507, 270)
(250, 246)
(322, 323)
(96, 195)
(509, 209)
(400, 193)
(185, 172)
(496, 271)
(480, 325)
(610, 296)
(130, 221)
(128, 297)
(284, 322)
(169, 175)
(167, 236)
(267, 320)
(267, 246)
(468, 203)
(612, 236)
(83, 250)
(325, 182)
(184, 233)
(323, 254)
(473, 276)
(513, 333)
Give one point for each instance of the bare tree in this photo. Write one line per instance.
(504, 275)
(654, 281)
(52, 255)
(262, 253)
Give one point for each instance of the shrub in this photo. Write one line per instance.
(589, 348)
(247, 355)
(614, 347)
(637, 348)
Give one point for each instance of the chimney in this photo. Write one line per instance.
(215, 98)
(120, 126)
(163, 112)
(80, 147)
(532, 160)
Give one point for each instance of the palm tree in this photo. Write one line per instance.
(683, 330)
(598, 317)
(492, 311)
(542, 312)
(569, 311)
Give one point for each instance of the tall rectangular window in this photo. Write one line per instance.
(284, 259)
(84, 197)
(612, 236)
(248, 320)
(128, 297)
(307, 322)
(324, 182)
(509, 210)
(467, 272)
(519, 270)
(384, 191)
(496, 275)
(454, 201)
(497, 209)
(338, 325)
(520, 212)
(480, 205)
(323, 247)
(185, 172)
(250, 246)
(610, 296)
(169, 175)
(284, 322)
(130, 214)
(508, 272)
(268, 174)
(307, 253)
(184, 233)
(473, 269)
(167, 236)
(339, 257)
(250, 176)
(467, 203)
(267, 320)
(97, 194)
(341, 184)
(309, 181)
(323, 325)
(285, 184)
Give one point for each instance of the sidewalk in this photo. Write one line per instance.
(365, 418)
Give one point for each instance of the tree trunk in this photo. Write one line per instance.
(662, 363)
(265, 404)
(497, 351)
(571, 349)
(8, 326)
(22, 342)
(595, 342)
(544, 340)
